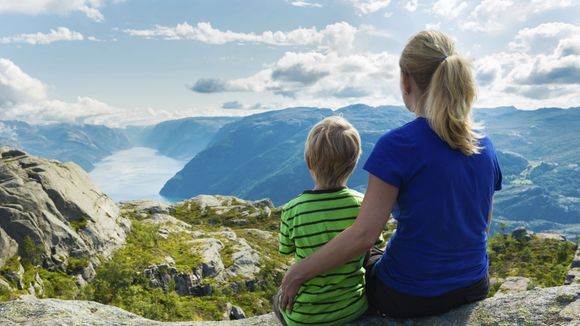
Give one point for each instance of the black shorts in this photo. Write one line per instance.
(386, 301)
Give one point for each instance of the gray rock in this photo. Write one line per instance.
(246, 261)
(58, 207)
(5, 286)
(521, 233)
(576, 260)
(146, 206)
(550, 236)
(234, 312)
(164, 275)
(515, 284)
(263, 203)
(209, 249)
(15, 276)
(573, 276)
(557, 306)
(8, 247)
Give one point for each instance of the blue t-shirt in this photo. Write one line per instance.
(442, 209)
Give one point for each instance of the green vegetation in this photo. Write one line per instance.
(80, 224)
(120, 281)
(191, 213)
(544, 261)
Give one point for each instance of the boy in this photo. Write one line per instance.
(315, 217)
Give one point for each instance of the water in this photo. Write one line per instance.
(135, 173)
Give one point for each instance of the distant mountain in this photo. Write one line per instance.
(180, 139)
(262, 156)
(82, 144)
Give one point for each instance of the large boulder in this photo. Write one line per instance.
(550, 306)
(53, 211)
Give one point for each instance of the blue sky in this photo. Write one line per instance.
(141, 61)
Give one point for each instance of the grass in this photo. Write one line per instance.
(544, 261)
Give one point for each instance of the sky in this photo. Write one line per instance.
(126, 62)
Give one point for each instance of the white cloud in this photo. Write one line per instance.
(449, 8)
(306, 4)
(36, 7)
(336, 36)
(365, 7)
(411, 5)
(495, 15)
(23, 97)
(527, 37)
(18, 87)
(314, 75)
(548, 76)
(55, 35)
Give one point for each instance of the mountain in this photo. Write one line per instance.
(52, 215)
(82, 144)
(262, 156)
(180, 139)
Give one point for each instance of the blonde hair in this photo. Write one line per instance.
(332, 150)
(446, 79)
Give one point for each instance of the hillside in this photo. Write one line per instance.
(179, 139)
(262, 156)
(83, 144)
(205, 258)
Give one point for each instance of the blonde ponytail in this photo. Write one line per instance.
(446, 79)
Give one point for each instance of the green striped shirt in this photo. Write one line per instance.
(308, 222)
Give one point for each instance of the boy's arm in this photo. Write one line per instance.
(286, 245)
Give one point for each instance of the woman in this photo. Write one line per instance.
(437, 175)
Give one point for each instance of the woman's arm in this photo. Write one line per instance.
(355, 240)
(489, 216)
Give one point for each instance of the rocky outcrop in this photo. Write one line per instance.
(515, 284)
(53, 212)
(550, 306)
(574, 272)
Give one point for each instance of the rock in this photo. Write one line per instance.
(170, 223)
(11, 153)
(576, 260)
(209, 249)
(234, 312)
(550, 236)
(239, 222)
(57, 207)
(557, 306)
(521, 233)
(263, 203)
(573, 276)
(146, 206)
(246, 261)
(5, 286)
(571, 312)
(260, 234)
(227, 233)
(164, 275)
(8, 247)
(14, 275)
(515, 284)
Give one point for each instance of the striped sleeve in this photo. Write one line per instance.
(286, 245)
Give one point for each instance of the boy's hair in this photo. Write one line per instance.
(332, 150)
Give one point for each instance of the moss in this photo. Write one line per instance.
(76, 265)
(544, 261)
(565, 299)
(31, 252)
(80, 224)
(58, 285)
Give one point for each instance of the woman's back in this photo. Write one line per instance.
(442, 210)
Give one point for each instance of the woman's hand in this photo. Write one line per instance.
(290, 286)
